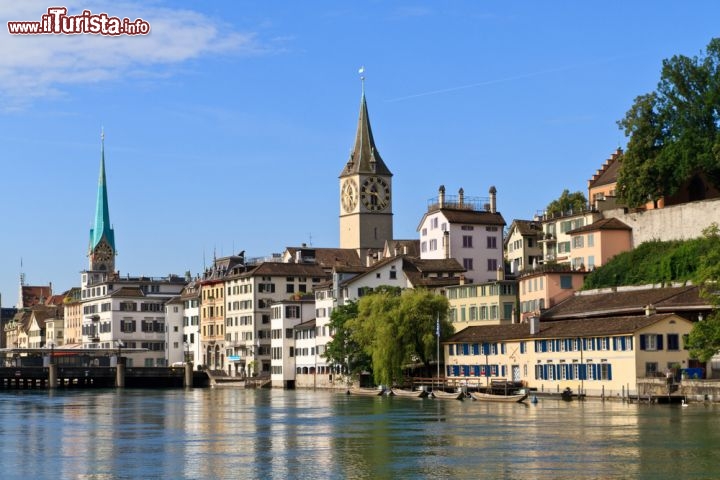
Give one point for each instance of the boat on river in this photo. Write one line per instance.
(443, 395)
(401, 392)
(367, 392)
(490, 397)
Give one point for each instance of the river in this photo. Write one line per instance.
(276, 434)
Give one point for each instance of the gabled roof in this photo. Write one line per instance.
(34, 295)
(401, 247)
(627, 300)
(526, 227)
(365, 157)
(603, 224)
(128, 292)
(590, 327)
(607, 174)
(420, 273)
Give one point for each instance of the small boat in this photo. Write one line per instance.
(408, 393)
(367, 392)
(489, 397)
(443, 395)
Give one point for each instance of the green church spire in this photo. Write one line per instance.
(102, 227)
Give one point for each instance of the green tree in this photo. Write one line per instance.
(704, 339)
(398, 330)
(343, 350)
(567, 202)
(674, 131)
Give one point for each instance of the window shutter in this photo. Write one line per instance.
(545, 372)
(659, 342)
(583, 372)
(609, 371)
(502, 350)
(642, 342)
(522, 347)
(584, 343)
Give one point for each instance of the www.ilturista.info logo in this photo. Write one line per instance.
(57, 21)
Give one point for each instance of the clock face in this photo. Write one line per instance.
(375, 194)
(348, 195)
(103, 252)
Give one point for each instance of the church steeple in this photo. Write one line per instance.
(102, 236)
(365, 157)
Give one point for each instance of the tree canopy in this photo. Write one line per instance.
(567, 202)
(674, 132)
(343, 350)
(398, 330)
(704, 339)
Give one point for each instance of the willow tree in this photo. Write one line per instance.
(673, 132)
(343, 350)
(398, 330)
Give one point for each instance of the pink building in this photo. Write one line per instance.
(595, 244)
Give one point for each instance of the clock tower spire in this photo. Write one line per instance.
(102, 236)
(365, 191)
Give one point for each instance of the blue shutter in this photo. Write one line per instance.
(569, 372)
(622, 343)
(609, 372)
(485, 349)
(502, 350)
(466, 349)
(584, 343)
(596, 374)
(522, 347)
(630, 343)
(476, 349)
(456, 370)
(504, 371)
(545, 372)
(659, 342)
(642, 342)
(544, 346)
(583, 372)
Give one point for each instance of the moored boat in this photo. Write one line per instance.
(443, 395)
(400, 392)
(367, 392)
(489, 397)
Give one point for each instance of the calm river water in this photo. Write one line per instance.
(247, 434)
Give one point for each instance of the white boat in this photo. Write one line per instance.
(367, 392)
(443, 395)
(489, 397)
(408, 393)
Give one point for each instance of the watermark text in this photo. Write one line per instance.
(57, 22)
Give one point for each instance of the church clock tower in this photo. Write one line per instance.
(101, 250)
(366, 219)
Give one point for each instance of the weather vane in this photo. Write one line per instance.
(361, 71)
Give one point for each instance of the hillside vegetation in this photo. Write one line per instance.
(652, 262)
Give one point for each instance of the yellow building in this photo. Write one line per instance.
(487, 303)
(598, 356)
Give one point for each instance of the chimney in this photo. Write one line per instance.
(493, 192)
(446, 243)
(500, 274)
(650, 310)
(461, 197)
(534, 325)
(441, 196)
(298, 256)
(462, 279)
(405, 250)
(369, 259)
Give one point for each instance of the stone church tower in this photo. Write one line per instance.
(366, 219)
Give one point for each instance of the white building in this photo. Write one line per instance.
(466, 229)
(286, 314)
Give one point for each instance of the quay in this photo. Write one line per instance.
(90, 368)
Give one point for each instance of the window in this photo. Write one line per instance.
(651, 369)
(393, 274)
(433, 244)
(591, 240)
(563, 247)
(673, 341)
(468, 264)
(424, 232)
(491, 242)
(467, 241)
(290, 288)
(565, 281)
(651, 342)
(492, 264)
(578, 241)
(423, 247)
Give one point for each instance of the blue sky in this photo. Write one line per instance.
(227, 126)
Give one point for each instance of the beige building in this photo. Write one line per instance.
(597, 356)
(73, 318)
(523, 250)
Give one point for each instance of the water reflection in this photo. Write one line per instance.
(304, 434)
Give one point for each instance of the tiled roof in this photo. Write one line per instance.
(561, 329)
(466, 216)
(309, 325)
(286, 269)
(402, 247)
(127, 292)
(328, 257)
(626, 301)
(603, 224)
(607, 174)
(527, 227)
(32, 295)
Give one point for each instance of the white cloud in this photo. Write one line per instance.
(33, 66)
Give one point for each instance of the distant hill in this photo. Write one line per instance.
(652, 262)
